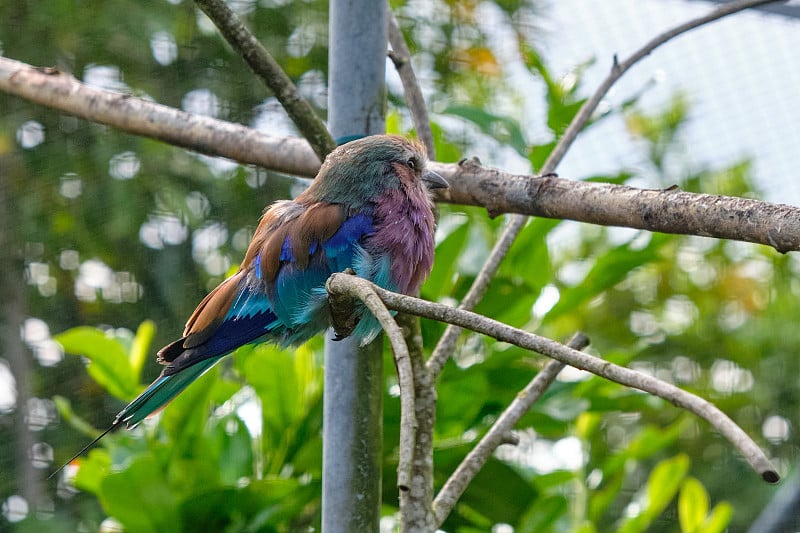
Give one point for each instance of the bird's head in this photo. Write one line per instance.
(359, 171)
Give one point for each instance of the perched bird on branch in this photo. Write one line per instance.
(369, 209)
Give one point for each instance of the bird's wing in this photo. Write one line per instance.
(276, 292)
(299, 297)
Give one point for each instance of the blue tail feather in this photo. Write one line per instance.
(161, 392)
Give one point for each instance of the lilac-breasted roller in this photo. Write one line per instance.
(368, 209)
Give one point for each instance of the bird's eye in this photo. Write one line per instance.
(411, 164)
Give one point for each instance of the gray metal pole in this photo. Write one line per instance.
(353, 395)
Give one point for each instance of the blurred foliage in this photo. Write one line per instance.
(121, 234)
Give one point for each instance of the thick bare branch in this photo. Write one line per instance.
(624, 376)
(663, 210)
(470, 183)
(498, 434)
(401, 58)
(63, 92)
(447, 342)
(266, 68)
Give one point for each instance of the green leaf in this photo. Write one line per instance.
(664, 482)
(446, 152)
(141, 498)
(508, 301)
(442, 278)
(718, 520)
(609, 269)
(529, 258)
(282, 380)
(393, 123)
(140, 348)
(543, 514)
(585, 527)
(93, 470)
(504, 129)
(539, 153)
(662, 486)
(185, 417)
(498, 493)
(652, 440)
(64, 408)
(649, 441)
(692, 505)
(109, 365)
(464, 390)
(544, 482)
(259, 506)
(562, 104)
(602, 498)
(234, 449)
(561, 112)
(289, 387)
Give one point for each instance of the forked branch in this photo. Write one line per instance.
(624, 376)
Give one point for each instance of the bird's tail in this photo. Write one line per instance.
(161, 392)
(150, 401)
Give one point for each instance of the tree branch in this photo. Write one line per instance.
(624, 376)
(342, 290)
(266, 68)
(401, 57)
(447, 342)
(417, 395)
(61, 91)
(667, 211)
(498, 434)
(663, 210)
(420, 511)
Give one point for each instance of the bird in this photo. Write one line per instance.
(369, 209)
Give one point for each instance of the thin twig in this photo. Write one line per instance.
(447, 342)
(401, 57)
(497, 434)
(266, 68)
(618, 69)
(444, 348)
(624, 376)
(349, 286)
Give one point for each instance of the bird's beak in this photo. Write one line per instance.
(433, 180)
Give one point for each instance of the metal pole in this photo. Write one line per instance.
(353, 395)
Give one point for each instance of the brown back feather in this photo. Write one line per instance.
(317, 223)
